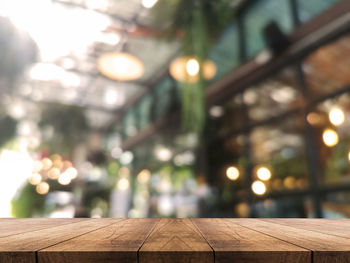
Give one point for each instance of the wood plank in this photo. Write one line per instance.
(326, 248)
(13, 226)
(234, 243)
(335, 227)
(22, 247)
(118, 242)
(175, 241)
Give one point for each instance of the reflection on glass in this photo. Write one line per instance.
(333, 141)
(283, 207)
(336, 205)
(278, 152)
(327, 69)
(225, 53)
(273, 96)
(258, 15)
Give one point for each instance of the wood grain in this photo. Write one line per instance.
(335, 227)
(13, 226)
(22, 247)
(118, 242)
(234, 243)
(326, 248)
(175, 240)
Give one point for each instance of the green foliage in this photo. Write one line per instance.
(28, 203)
(198, 22)
(70, 127)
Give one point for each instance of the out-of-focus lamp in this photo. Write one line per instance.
(186, 69)
(120, 66)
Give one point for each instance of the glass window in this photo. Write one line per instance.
(331, 126)
(227, 167)
(336, 205)
(279, 155)
(292, 207)
(310, 8)
(327, 69)
(227, 118)
(258, 15)
(225, 52)
(273, 96)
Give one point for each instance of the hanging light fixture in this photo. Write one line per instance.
(186, 69)
(120, 66)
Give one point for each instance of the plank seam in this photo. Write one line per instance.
(36, 252)
(195, 225)
(42, 229)
(144, 241)
(272, 236)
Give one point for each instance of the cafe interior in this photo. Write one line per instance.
(175, 108)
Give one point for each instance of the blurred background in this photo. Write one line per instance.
(174, 108)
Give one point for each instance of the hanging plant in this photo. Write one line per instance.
(196, 23)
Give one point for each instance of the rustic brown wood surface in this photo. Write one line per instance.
(175, 240)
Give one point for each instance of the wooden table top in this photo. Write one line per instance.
(175, 240)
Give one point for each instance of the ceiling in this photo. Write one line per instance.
(71, 35)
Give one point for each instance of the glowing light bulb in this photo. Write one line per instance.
(64, 179)
(336, 116)
(53, 173)
(120, 64)
(330, 137)
(73, 173)
(349, 156)
(47, 163)
(42, 188)
(35, 179)
(192, 67)
(123, 184)
(264, 173)
(232, 173)
(144, 176)
(259, 188)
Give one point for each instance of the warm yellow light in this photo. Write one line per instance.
(58, 164)
(47, 163)
(35, 179)
(149, 3)
(64, 179)
(349, 156)
(313, 118)
(289, 182)
(336, 116)
(53, 173)
(123, 184)
(42, 188)
(120, 66)
(259, 187)
(192, 67)
(37, 166)
(124, 171)
(264, 174)
(330, 137)
(73, 173)
(185, 69)
(144, 176)
(67, 164)
(232, 173)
